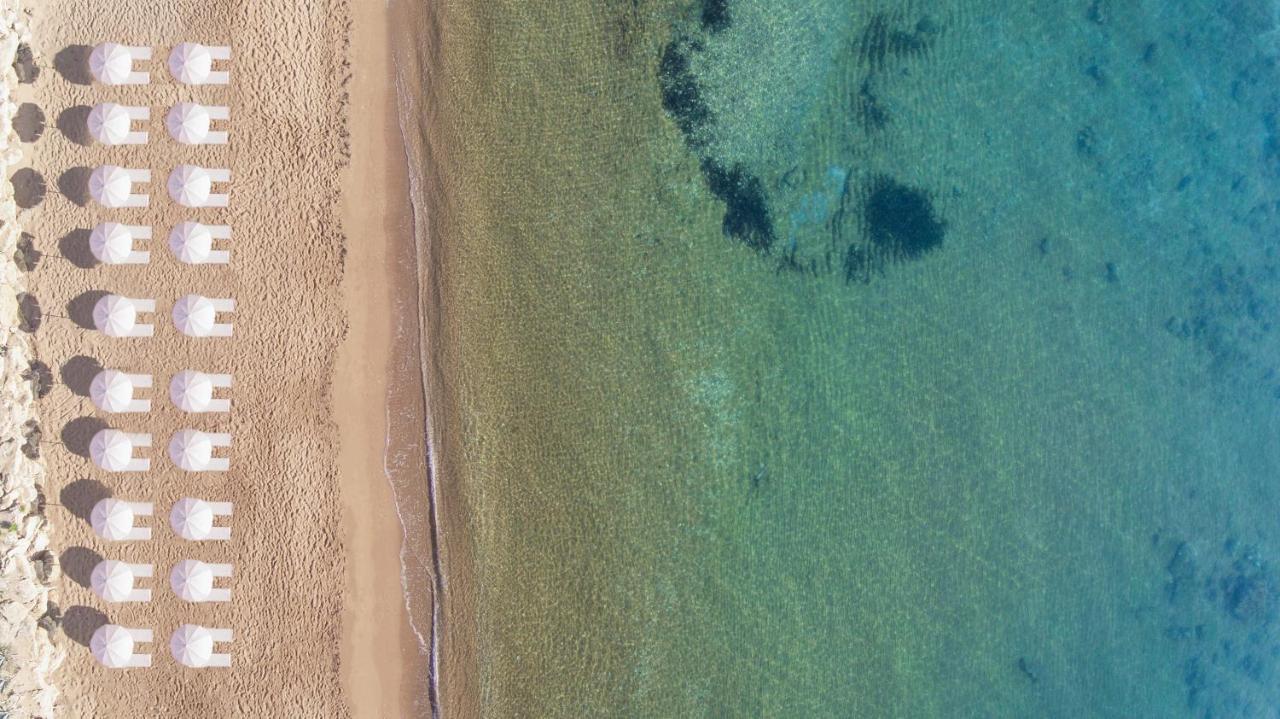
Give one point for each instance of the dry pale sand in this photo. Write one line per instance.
(320, 621)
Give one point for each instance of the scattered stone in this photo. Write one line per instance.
(1086, 142)
(45, 564)
(51, 621)
(1029, 669)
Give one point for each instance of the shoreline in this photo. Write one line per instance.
(373, 225)
(417, 42)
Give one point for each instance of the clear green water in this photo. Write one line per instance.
(969, 407)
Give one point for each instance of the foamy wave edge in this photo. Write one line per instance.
(27, 567)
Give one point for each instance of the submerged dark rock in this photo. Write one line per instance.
(900, 220)
(899, 224)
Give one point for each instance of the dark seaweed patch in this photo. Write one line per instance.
(746, 214)
(681, 97)
(715, 15)
(884, 223)
(881, 41)
(870, 109)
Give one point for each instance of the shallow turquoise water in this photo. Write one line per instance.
(871, 358)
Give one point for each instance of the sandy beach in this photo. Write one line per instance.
(321, 625)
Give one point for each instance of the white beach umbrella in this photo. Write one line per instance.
(112, 645)
(111, 243)
(111, 63)
(195, 315)
(192, 580)
(110, 123)
(112, 580)
(111, 450)
(191, 391)
(192, 645)
(188, 123)
(192, 518)
(191, 450)
(112, 519)
(114, 315)
(191, 63)
(191, 242)
(110, 185)
(111, 391)
(190, 186)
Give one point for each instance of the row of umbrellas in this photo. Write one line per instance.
(190, 579)
(193, 315)
(116, 520)
(187, 122)
(112, 243)
(188, 185)
(190, 63)
(190, 449)
(113, 391)
(191, 645)
(190, 391)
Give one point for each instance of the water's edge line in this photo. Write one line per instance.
(430, 643)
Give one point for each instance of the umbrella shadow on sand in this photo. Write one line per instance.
(73, 123)
(28, 122)
(79, 623)
(78, 563)
(80, 308)
(78, 373)
(29, 188)
(72, 62)
(74, 185)
(80, 496)
(75, 247)
(77, 434)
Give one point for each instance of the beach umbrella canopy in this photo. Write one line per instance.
(111, 63)
(111, 242)
(192, 518)
(110, 185)
(111, 450)
(191, 63)
(188, 123)
(112, 580)
(191, 450)
(191, 242)
(111, 519)
(191, 391)
(189, 185)
(111, 645)
(192, 645)
(114, 315)
(194, 315)
(192, 580)
(109, 123)
(111, 391)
